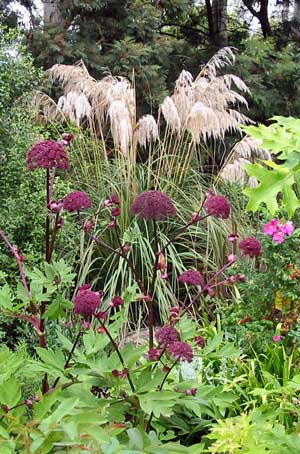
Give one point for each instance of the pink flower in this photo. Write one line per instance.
(271, 227)
(277, 338)
(279, 237)
(279, 231)
(288, 228)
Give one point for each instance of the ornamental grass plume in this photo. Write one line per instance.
(146, 131)
(86, 302)
(47, 154)
(217, 206)
(121, 126)
(76, 201)
(153, 205)
(191, 277)
(166, 335)
(250, 246)
(181, 351)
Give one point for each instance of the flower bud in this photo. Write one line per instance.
(117, 301)
(231, 258)
(115, 212)
(28, 403)
(115, 199)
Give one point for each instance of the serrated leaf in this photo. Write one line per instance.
(272, 183)
(160, 403)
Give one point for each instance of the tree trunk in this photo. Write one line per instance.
(296, 20)
(217, 22)
(52, 13)
(264, 18)
(262, 15)
(285, 11)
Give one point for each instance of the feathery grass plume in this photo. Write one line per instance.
(249, 147)
(146, 131)
(200, 121)
(205, 106)
(75, 106)
(183, 96)
(224, 57)
(244, 152)
(44, 107)
(171, 114)
(234, 172)
(121, 127)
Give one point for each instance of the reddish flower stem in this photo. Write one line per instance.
(117, 350)
(159, 389)
(79, 334)
(15, 252)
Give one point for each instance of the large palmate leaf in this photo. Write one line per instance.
(279, 183)
(272, 182)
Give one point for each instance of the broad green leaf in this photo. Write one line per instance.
(280, 180)
(52, 358)
(160, 403)
(10, 392)
(6, 297)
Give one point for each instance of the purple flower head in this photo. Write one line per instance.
(191, 277)
(76, 201)
(154, 354)
(166, 335)
(232, 237)
(277, 338)
(217, 206)
(86, 302)
(46, 155)
(153, 205)
(181, 351)
(250, 246)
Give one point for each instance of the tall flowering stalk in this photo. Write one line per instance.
(153, 207)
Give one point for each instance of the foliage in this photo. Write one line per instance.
(252, 433)
(269, 298)
(272, 72)
(278, 179)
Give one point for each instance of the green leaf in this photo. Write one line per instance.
(53, 358)
(10, 392)
(160, 403)
(6, 298)
(58, 308)
(280, 180)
